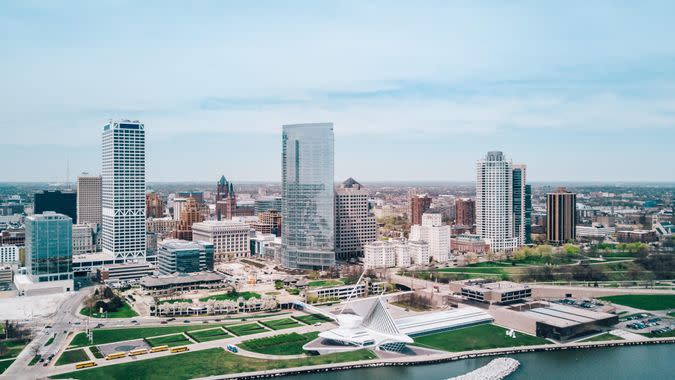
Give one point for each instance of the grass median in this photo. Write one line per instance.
(72, 356)
(169, 340)
(286, 344)
(103, 336)
(248, 329)
(211, 362)
(208, 335)
(280, 324)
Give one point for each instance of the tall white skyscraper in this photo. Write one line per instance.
(308, 198)
(354, 222)
(123, 194)
(494, 202)
(89, 199)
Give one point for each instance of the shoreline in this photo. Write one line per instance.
(430, 359)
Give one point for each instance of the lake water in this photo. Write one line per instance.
(646, 362)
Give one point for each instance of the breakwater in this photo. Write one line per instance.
(496, 369)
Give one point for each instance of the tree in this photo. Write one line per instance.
(490, 256)
(108, 293)
(571, 249)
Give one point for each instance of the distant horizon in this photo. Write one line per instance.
(407, 182)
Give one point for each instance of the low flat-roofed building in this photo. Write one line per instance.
(637, 236)
(27, 287)
(158, 285)
(500, 292)
(125, 271)
(426, 323)
(465, 243)
(6, 276)
(92, 261)
(562, 322)
(344, 292)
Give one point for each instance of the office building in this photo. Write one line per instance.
(89, 199)
(465, 212)
(161, 226)
(435, 234)
(83, 239)
(500, 214)
(354, 222)
(469, 243)
(197, 195)
(13, 236)
(561, 222)
(180, 256)
(154, 205)
(126, 272)
(191, 213)
(49, 242)
(9, 254)
(123, 194)
(263, 204)
(59, 202)
(419, 204)
(308, 229)
(230, 239)
(269, 222)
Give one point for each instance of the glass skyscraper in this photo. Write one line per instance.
(123, 189)
(308, 198)
(49, 242)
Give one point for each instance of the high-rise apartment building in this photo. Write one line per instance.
(89, 199)
(354, 222)
(230, 239)
(57, 201)
(521, 198)
(49, 241)
(419, 204)
(386, 254)
(123, 194)
(561, 216)
(465, 212)
(435, 234)
(494, 202)
(308, 197)
(154, 205)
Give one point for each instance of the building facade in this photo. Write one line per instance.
(154, 205)
(308, 198)
(386, 254)
(9, 254)
(230, 239)
(180, 256)
(49, 242)
(57, 201)
(419, 204)
(561, 221)
(465, 212)
(419, 252)
(83, 239)
(495, 206)
(354, 222)
(435, 234)
(263, 204)
(89, 199)
(191, 213)
(269, 222)
(123, 189)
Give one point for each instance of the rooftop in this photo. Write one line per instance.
(150, 281)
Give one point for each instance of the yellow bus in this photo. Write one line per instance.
(159, 349)
(116, 355)
(180, 349)
(85, 365)
(139, 351)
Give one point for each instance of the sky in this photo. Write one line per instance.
(417, 90)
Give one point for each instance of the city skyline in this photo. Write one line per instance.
(440, 83)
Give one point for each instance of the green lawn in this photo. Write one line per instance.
(248, 329)
(96, 352)
(644, 301)
(50, 341)
(320, 283)
(669, 334)
(103, 336)
(280, 324)
(230, 296)
(72, 356)
(211, 362)
(4, 364)
(476, 338)
(313, 318)
(169, 340)
(477, 272)
(672, 314)
(207, 335)
(124, 312)
(14, 348)
(602, 338)
(286, 344)
(35, 359)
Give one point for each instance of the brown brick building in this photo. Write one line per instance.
(465, 212)
(154, 206)
(419, 204)
(561, 220)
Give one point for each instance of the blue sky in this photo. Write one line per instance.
(579, 91)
